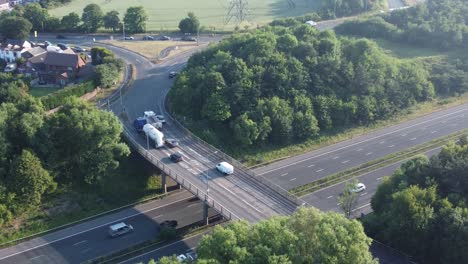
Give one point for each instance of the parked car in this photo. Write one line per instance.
(169, 224)
(10, 67)
(148, 37)
(173, 74)
(164, 38)
(312, 23)
(62, 46)
(188, 38)
(172, 143)
(129, 38)
(60, 36)
(78, 49)
(161, 119)
(176, 157)
(359, 188)
(119, 229)
(47, 43)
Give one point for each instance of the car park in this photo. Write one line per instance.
(172, 143)
(129, 38)
(120, 229)
(358, 188)
(172, 74)
(164, 38)
(148, 37)
(176, 157)
(225, 168)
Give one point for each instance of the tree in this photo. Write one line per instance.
(112, 20)
(92, 18)
(93, 142)
(190, 24)
(216, 108)
(348, 198)
(36, 15)
(28, 179)
(14, 27)
(99, 54)
(53, 24)
(135, 19)
(71, 22)
(106, 75)
(245, 130)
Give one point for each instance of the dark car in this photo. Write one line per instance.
(78, 49)
(61, 37)
(188, 38)
(148, 38)
(47, 43)
(172, 74)
(176, 157)
(172, 143)
(129, 38)
(164, 38)
(62, 46)
(169, 224)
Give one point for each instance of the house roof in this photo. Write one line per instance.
(63, 59)
(38, 59)
(32, 52)
(2, 2)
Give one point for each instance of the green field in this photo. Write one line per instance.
(165, 15)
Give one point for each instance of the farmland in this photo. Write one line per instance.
(165, 15)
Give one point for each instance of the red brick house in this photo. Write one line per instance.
(61, 67)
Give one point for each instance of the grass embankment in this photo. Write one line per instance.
(152, 49)
(375, 164)
(42, 91)
(165, 15)
(134, 181)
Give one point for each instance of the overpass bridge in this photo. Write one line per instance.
(242, 195)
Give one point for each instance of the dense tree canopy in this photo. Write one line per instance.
(92, 18)
(14, 27)
(190, 24)
(422, 209)
(281, 84)
(135, 19)
(112, 20)
(71, 22)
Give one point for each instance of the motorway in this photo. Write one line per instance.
(88, 240)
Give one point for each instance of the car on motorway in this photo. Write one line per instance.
(358, 188)
(62, 46)
(225, 168)
(147, 37)
(78, 49)
(164, 38)
(168, 224)
(129, 38)
(188, 38)
(173, 74)
(120, 229)
(176, 157)
(172, 143)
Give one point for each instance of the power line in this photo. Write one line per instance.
(237, 9)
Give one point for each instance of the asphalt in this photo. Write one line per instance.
(90, 239)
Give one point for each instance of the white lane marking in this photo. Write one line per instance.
(363, 194)
(195, 152)
(157, 216)
(293, 179)
(331, 196)
(379, 178)
(361, 207)
(319, 170)
(366, 140)
(93, 228)
(391, 146)
(81, 242)
(433, 132)
(381, 142)
(310, 166)
(192, 205)
(368, 153)
(404, 135)
(284, 174)
(412, 138)
(359, 149)
(336, 157)
(37, 257)
(344, 162)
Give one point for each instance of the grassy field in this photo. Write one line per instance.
(165, 15)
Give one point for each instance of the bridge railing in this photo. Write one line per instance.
(187, 184)
(237, 164)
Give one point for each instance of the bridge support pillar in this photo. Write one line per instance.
(164, 182)
(205, 213)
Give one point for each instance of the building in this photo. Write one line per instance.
(58, 67)
(15, 2)
(4, 5)
(10, 50)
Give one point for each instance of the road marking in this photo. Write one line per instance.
(192, 205)
(293, 179)
(381, 142)
(335, 157)
(284, 174)
(331, 196)
(359, 149)
(361, 207)
(412, 138)
(310, 166)
(344, 162)
(81, 242)
(433, 132)
(367, 154)
(195, 152)
(37, 257)
(391, 146)
(157, 216)
(379, 178)
(366, 140)
(93, 228)
(319, 170)
(363, 194)
(404, 135)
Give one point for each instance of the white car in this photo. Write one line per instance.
(181, 258)
(359, 188)
(312, 23)
(161, 119)
(225, 168)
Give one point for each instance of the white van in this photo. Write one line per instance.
(119, 229)
(225, 168)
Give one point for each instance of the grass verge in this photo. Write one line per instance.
(42, 91)
(373, 165)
